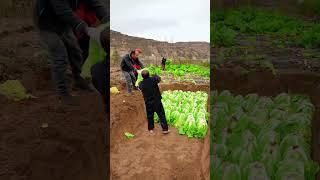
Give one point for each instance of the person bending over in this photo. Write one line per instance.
(57, 21)
(128, 66)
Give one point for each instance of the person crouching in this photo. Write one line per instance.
(152, 98)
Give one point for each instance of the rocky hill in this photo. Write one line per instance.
(153, 50)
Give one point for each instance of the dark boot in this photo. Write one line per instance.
(82, 84)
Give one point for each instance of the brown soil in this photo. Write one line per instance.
(72, 144)
(158, 156)
(266, 84)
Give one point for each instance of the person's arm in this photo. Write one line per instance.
(140, 85)
(140, 64)
(65, 13)
(156, 78)
(100, 9)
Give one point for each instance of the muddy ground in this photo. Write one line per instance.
(265, 83)
(39, 139)
(146, 156)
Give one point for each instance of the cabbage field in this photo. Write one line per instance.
(257, 137)
(179, 70)
(187, 111)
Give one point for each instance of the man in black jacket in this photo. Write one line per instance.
(152, 98)
(129, 65)
(163, 63)
(57, 24)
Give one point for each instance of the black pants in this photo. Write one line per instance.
(63, 50)
(84, 44)
(156, 108)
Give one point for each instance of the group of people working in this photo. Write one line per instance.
(63, 27)
(130, 65)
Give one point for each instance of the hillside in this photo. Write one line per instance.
(154, 50)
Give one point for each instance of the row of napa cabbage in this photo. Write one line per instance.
(261, 138)
(179, 70)
(187, 111)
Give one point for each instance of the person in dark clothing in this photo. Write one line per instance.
(152, 98)
(100, 74)
(91, 19)
(128, 66)
(163, 63)
(57, 22)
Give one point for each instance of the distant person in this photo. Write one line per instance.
(129, 65)
(152, 98)
(57, 23)
(163, 63)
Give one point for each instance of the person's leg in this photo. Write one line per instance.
(75, 59)
(133, 80)
(162, 116)
(100, 77)
(74, 51)
(84, 44)
(57, 54)
(150, 116)
(128, 79)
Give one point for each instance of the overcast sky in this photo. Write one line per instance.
(164, 20)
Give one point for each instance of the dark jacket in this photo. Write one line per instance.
(127, 63)
(56, 15)
(150, 90)
(163, 61)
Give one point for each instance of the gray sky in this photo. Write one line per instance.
(164, 20)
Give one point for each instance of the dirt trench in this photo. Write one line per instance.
(158, 156)
(265, 83)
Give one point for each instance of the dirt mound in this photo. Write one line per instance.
(266, 84)
(158, 156)
(71, 145)
(39, 139)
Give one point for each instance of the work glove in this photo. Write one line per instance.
(81, 30)
(101, 35)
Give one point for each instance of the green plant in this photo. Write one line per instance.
(96, 54)
(221, 35)
(268, 65)
(187, 111)
(262, 137)
(14, 90)
(180, 70)
(115, 58)
(225, 25)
